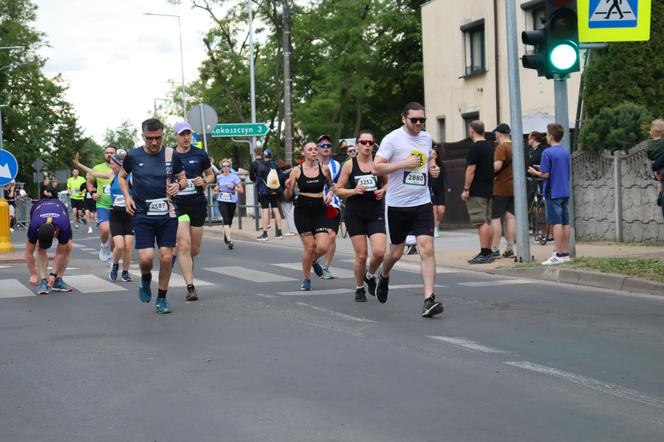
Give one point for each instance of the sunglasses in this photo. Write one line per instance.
(225, 165)
(366, 142)
(417, 120)
(324, 145)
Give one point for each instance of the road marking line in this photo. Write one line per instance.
(498, 282)
(87, 249)
(92, 284)
(594, 384)
(337, 314)
(5, 267)
(466, 344)
(336, 271)
(262, 295)
(247, 274)
(411, 286)
(12, 288)
(316, 292)
(176, 281)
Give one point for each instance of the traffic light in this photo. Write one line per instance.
(562, 37)
(556, 45)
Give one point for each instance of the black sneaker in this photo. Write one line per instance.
(382, 287)
(481, 259)
(191, 295)
(411, 249)
(508, 253)
(278, 235)
(360, 295)
(431, 307)
(230, 245)
(495, 253)
(263, 236)
(371, 283)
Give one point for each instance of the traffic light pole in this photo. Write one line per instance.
(562, 118)
(518, 154)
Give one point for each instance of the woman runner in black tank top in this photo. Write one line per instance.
(310, 178)
(364, 215)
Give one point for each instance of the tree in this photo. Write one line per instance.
(629, 71)
(616, 128)
(124, 136)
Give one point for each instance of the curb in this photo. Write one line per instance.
(609, 281)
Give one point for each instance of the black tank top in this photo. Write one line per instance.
(370, 181)
(311, 185)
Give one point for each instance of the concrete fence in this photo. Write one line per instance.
(614, 197)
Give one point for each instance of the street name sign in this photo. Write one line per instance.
(614, 20)
(8, 167)
(240, 130)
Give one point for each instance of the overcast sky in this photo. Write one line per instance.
(116, 60)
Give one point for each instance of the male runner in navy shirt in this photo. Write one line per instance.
(49, 219)
(153, 169)
(191, 203)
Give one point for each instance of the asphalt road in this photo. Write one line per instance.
(257, 360)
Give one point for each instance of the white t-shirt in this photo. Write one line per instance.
(407, 188)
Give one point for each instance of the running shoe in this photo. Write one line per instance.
(104, 253)
(162, 306)
(230, 245)
(436, 232)
(60, 286)
(192, 295)
(42, 288)
(411, 249)
(278, 235)
(360, 295)
(126, 277)
(113, 274)
(508, 253)
(495, 253)
(144, 291)
(481, 259)
(263, 236)
(327, 274)
(431, 307)
(306, 285)
(382, 287)
(76, 226)
(318, 269)
(371, 283)
(89, 229)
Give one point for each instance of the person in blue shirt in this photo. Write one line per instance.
(191, 204)
(154, 169)
(229, 185)
(555, 168)
(49, 218)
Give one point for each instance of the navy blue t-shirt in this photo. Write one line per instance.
(150, 176)
(51, 211)
(195, 162)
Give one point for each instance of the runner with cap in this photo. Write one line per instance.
(191, 204)
(332, 209)
(153, 168)
(48, 219)
(101, 193)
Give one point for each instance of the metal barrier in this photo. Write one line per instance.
(22, 213)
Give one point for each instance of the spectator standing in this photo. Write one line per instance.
(285, 203)
(269, 193)
(478, 188)
(555, 170)
(655, 152)
(46, 189)
(502, 205)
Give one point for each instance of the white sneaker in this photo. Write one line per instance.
(555, 259)
(90, 229)
(436, 233)
(104, 253)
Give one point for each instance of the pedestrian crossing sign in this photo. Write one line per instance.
(614, 20)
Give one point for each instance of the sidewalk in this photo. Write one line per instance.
(454, 248)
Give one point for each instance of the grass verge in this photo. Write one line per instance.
(651, 269)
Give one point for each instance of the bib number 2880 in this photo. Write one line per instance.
(415, 178)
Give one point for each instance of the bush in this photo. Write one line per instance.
(616, 128)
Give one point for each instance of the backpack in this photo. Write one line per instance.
(272, 180)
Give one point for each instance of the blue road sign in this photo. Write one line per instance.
(8, 167)
(613, 13)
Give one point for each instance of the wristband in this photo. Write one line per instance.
(466, 190)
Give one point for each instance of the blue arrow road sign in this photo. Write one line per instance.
(8, 167)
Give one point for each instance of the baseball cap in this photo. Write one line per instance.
(503, 129)
(267, 153)
(323, 137)
(45, 234)
(181, 126)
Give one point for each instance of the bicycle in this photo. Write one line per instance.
(537, 214)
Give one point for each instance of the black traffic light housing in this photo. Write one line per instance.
(557, 43)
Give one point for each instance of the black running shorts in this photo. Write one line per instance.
(402, 221)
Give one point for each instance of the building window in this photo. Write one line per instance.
(474, 47)
(468, 118)
(441, 129)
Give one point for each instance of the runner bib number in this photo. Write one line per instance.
(414, 178)
(190, 189)
(157, 207)
(226, 197)
(368, 181)
(119, 201)
(107, 190)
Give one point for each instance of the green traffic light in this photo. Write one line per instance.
(563, 56)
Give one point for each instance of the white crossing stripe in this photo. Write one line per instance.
(411, 286)
(5, 267)
(247, 274)
(92, 284)
(12, 288)
(87, 249)
(176, 281)
(336, 271)
(604, 387)
(497, 282)
(413, 267)
(466, 343)
(337, 314)
(316, 292)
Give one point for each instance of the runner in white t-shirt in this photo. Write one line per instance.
(405, 157)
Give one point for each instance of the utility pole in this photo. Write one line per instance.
(518, 155)
(562, 118)
(251, 75)
(288, 111)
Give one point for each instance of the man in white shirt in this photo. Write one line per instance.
(405, 157)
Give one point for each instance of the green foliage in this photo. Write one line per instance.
(616, 128)
(629, 71)
(652, 269)
(125, 136)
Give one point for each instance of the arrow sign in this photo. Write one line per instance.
(240, 130)
(8, 167)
